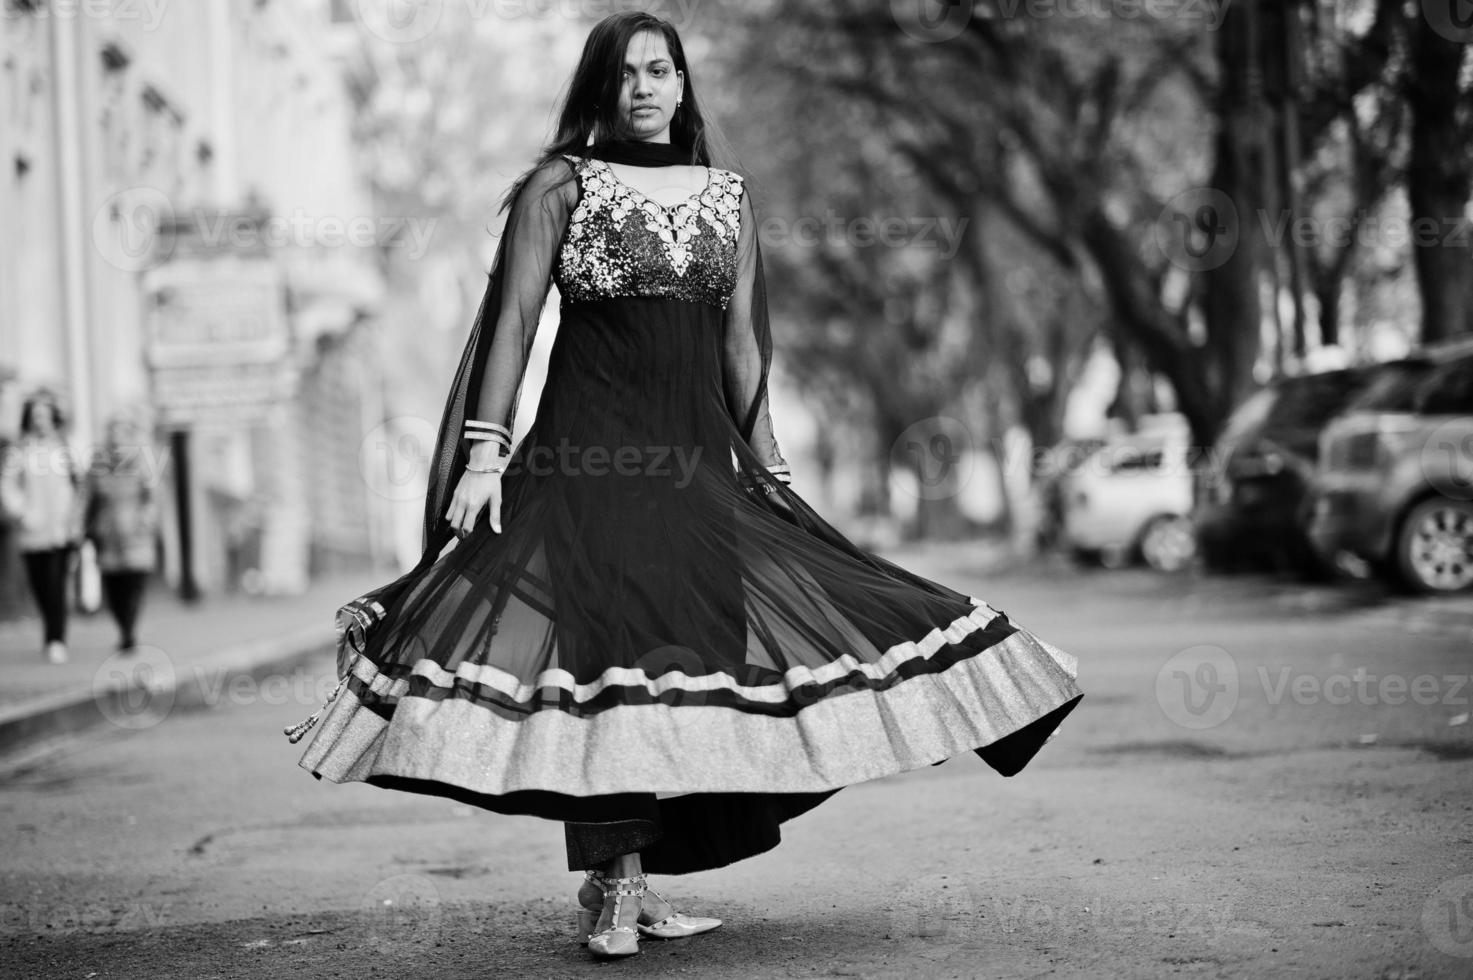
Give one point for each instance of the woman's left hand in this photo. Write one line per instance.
(474, 492)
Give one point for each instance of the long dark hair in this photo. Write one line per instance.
(48, 398)
(591, 106)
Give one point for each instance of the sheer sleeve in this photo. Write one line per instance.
(533, 232)
(488, 382)
(747, 348)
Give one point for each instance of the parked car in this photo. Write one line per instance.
(1050, 473)
(1394, 486)
(1252, 502)
(1131, 499)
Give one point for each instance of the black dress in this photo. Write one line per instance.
(653, 640)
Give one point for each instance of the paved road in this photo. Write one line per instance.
(1262, 781)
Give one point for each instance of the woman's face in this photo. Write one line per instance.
(121, 433)
(651, 85)
(43, 418)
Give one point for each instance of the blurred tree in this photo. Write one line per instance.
(1439, 177)
(913, 326)
(443, 125)
(1159, 167)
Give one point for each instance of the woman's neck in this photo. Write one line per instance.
(641, 153)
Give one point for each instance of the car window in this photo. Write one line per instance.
(1394, 388)
(1449, 391)
(1137, 460)
(1249, 416)
(1312, 400)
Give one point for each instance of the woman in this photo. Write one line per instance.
(44, 494)
(122, 521)
(659, 644)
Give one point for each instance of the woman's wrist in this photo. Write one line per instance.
(487, 456)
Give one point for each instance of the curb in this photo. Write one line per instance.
(189, 687)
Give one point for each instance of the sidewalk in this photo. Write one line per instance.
(186, 654)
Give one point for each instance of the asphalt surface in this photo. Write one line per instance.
(1263, 780)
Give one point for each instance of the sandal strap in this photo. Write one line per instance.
(599, 877)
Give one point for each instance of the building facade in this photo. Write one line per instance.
(186, 232)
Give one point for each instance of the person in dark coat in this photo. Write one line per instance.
(122, 519)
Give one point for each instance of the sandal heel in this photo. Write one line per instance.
(587, 919)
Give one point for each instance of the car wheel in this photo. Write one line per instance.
(1168, 544)
(1434, 550)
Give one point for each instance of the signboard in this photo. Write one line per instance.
(223, 393)
(217, 340)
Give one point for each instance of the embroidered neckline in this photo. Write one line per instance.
(698, 195)
(676, 228)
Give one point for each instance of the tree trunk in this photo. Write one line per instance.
(1438, 185)
(1328, 295)
(1231, 299)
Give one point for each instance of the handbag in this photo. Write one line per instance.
(89, 578)
(12, 492)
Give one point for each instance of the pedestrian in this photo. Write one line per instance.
(122, 520)
(44, 495)
(632, 623)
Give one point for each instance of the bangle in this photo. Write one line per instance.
(475, 429)
(498, 463)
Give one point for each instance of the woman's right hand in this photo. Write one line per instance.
(474, 491)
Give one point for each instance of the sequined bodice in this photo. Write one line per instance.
(621, 243)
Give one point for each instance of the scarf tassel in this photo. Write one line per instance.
(295, 732)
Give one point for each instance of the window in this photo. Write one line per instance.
(1449, 391)
(1139, 460)
(1394, 387)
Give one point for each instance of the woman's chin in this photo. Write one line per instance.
(647, 124)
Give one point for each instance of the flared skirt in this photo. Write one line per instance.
(651, 639)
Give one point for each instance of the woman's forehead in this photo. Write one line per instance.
(646, 46)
